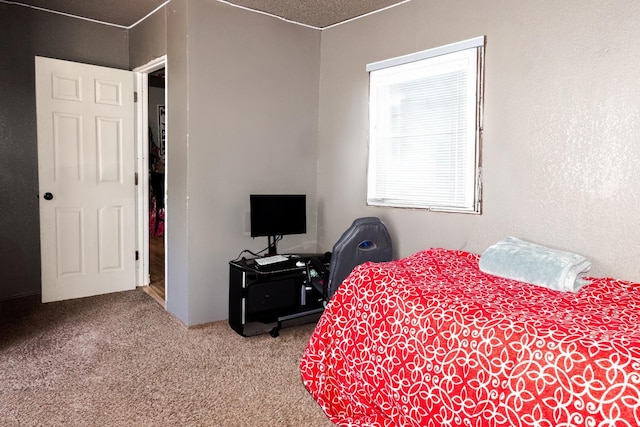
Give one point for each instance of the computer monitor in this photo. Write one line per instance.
(276, 215)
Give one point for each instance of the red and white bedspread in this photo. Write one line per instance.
(430, 340)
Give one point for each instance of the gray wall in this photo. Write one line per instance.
(252, 128)
(25, 33)
(562, 126)
(177, 168)
(242, 111)
(148, 39)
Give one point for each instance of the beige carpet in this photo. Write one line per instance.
(121, 360)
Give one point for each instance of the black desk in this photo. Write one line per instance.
(265, 298)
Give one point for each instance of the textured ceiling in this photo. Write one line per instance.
(316, 13)
(125, 13)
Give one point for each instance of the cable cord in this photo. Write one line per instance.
(257, 254)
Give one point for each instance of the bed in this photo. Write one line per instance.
(431, 340)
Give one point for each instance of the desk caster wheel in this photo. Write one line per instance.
(274, 332)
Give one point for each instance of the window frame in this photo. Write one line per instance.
(473, 204)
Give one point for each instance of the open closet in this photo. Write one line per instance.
(157, 151)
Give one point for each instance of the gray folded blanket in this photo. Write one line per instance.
(528, 262)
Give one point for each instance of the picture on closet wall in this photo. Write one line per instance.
(161, 132)
(157, 147)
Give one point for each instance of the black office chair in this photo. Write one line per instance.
(367, 239)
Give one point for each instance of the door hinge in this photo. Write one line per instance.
(137, 255)
(136, 178)
(135, 96)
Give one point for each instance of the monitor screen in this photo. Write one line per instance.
(278, 214)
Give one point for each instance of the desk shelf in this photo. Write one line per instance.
(263, 299)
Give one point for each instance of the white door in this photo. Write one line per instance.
(86, 179)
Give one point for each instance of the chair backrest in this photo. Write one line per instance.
(366, 240)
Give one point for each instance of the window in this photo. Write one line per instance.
(425, 125)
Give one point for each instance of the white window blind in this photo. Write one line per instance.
(424, 129)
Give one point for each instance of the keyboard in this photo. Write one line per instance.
(270, 260)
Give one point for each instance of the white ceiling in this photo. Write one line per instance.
(126, 13)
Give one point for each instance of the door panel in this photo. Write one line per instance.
(86, 162)
(110, 238)
(69, 224)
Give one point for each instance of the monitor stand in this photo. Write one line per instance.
(272, 240)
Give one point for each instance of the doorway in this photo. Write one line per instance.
(151, 144)
(157, 160)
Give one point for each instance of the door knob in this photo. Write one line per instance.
(48, 196)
